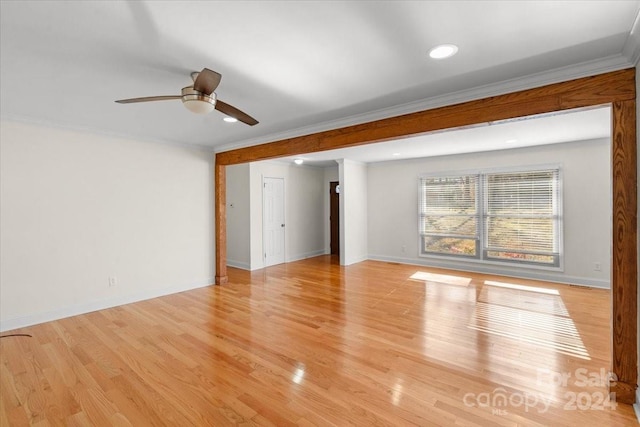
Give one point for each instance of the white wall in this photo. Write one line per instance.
(77, 208)
(353, 211)
(305, 213)
(238, 217)
(393, 208)
(304, 209)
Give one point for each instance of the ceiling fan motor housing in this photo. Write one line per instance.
(198, 102)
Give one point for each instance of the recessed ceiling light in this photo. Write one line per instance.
(443, 51)
(396, 154)
(230, 119)
(511, 141)
(298, 161)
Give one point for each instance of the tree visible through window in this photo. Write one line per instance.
(449, 215)
(498, 216)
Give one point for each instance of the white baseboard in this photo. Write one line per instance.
(356, 259)
(239, 264)
(490, 269)
(298, 257)
(291, 258)
(89, 306)
(636, 406)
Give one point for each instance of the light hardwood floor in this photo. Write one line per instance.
(314, 343)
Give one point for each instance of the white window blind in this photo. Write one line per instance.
(497, 216)
(521, 216)
(449, 215)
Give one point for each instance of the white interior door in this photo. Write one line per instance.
(273, 220)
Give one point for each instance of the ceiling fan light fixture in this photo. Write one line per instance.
(198, 102)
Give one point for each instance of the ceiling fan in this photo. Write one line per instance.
(200, 97)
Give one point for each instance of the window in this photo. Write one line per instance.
(493, 216)
(449, 215)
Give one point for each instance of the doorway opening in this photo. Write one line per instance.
(334, 217)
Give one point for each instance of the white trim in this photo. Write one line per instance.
(547, 277)
(239, 264)
(87, 307)
(631, 48)
(306, 255)
(356, 260)
(636, 406)
(313, 254)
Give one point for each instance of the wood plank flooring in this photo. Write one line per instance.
(313, 343)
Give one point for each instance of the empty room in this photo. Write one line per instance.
(369, 213)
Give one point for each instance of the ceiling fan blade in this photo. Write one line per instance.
(207, 81)
(148, 99)
(232, 111)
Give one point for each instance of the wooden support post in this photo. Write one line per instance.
(624, 274)
(221, 223)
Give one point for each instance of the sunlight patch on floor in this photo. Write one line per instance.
(522, 287)
(524, 313)
(423, 276)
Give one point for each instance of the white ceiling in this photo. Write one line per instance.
(297, 67)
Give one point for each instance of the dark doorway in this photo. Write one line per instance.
(334, 217)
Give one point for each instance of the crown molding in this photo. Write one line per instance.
(585, 69)
(631, 48)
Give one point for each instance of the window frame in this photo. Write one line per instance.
(481, 243)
